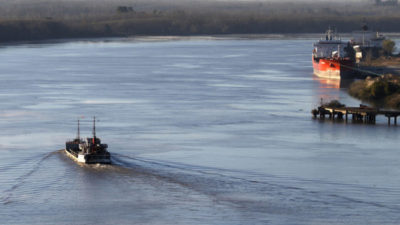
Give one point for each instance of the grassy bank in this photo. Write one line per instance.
(381, 91)
(37, 20)
(393, 61)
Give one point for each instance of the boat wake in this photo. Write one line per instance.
(261, 193)
(35, 163)
(248, 194)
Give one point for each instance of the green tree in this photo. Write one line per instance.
(391, 88)
(378, 89)
(388, 47)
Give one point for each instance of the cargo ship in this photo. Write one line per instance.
(330, 58)
(89, 150)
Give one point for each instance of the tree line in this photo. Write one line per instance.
(127, 21)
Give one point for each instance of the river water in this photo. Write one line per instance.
(201, 130)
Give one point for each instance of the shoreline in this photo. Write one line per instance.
(382, 91)
(156, 38)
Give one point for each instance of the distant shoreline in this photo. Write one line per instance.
(157, 38)
(88, 19)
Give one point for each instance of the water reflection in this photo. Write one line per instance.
(333, 83)
(332, 89)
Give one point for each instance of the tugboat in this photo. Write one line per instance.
(89, 150)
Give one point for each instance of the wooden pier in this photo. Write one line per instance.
(359, 114)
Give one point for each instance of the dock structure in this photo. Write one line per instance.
(359, 114)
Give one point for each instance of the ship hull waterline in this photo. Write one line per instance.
(80, 158)
(334, 69)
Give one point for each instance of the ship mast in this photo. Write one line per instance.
(94, 130)
(78, 136)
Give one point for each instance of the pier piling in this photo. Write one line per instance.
(361, 114)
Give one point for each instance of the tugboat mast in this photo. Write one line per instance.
(94, 130)
(78, 136)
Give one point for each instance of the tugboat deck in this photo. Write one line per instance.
(89, 150)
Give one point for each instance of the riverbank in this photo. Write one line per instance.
(382, 65)
(383, 91)
(83, 19)
(31, 30)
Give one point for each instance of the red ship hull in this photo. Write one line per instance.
(334, 68)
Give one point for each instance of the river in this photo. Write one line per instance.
(202, 130)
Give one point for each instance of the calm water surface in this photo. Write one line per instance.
(202, 131)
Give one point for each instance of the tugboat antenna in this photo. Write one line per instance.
(78, 135)
(94, 129)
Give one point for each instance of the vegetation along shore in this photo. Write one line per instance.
(382, 89)
(48, 19)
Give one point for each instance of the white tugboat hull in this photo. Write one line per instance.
(88, 158)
